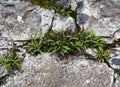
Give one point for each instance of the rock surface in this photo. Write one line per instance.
(20, 20)
(51, 73)
(117, 83)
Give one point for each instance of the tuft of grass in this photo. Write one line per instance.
(11, 62)
(67, 42)
(50, 4)
(3, 80)
(34, 46)
(59, 42)
(102, 54)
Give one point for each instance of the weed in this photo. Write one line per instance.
(102, 54)
(43, 3)
(3, 80)
(11, 62)
(34, 46)
(66, 42)
(58, 42)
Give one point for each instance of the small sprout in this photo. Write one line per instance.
(11, 62)
(102, 54)
(35, 45)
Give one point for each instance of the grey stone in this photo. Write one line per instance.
(82, 18)
(60, 23)
(63, 3)
(115, 58)
(20, 20)
(48, 72)
(117, 35)
(92, 52)
(115, 63)
(102, 16)
(3, 71)
(116, 2)
(117, 82)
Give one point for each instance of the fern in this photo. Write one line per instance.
(35, 45)
(11, 62)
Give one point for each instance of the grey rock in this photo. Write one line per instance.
(115, 58)
(117, 34)
(63, 3)
(3, 71)
(46, 19)
(117, 2)
(117, 82)
(48, 72)
(102, 16)
(82, 18)
(60, 23)
(20, 20)
(115, 63)
(73, 4)
(98, 27)
(92, 52)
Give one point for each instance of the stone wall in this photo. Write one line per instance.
(19, 20)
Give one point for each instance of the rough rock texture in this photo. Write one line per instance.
(102, 16)
(60, 23)
(19, 20)
(51, 73)
(117, 82)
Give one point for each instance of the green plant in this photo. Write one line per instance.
(43, 3)
(11, 62)
(90, 40)
(102, 54)
(67, 42)
(2, 80)
(34, 46)
(58, 42)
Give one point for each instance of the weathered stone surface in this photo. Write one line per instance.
(3, 71)
(60, 23)
(102, 16)
(117, 82)
(115, 63)
(92, 52)
(20, 20)
(51, 73)
(115, 58)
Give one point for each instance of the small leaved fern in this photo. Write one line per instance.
(11, 62)
(34, 46)
(68, 42)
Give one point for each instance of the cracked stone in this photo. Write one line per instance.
(60, 24)
(51, 73)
